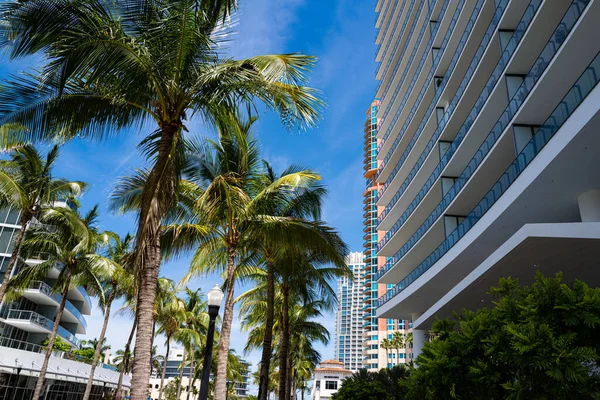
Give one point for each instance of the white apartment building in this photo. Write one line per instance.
(348, 316)
(27, 322)
(328, 379)
(488, 149)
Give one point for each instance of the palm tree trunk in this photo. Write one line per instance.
(284, 343)
(40, 381)
(290, 380)
(265, 363)
(223, 352)
(13, 257)
(157, 198)
(142, 356)
(88, 387)
(126, 358)
(164, 369)
(191, 378)
(181, 373)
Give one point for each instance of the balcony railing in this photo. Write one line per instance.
(574, 97)
(397, 42)
(426, 55)
(462, 132)
(44, 322)
(44, 288)
(487, 37)
(536, 71)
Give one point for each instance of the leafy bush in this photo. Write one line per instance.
(537, 342)
(59, 344)
(382, 385)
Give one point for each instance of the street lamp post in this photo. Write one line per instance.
(215, 297)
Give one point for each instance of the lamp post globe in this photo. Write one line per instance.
(215, 297)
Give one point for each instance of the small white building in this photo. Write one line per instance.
(327, 379)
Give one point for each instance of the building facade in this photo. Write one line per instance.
(375, 330)
(27, 322)
(173, 370)
(487, 149)
(328, 379)
(348, 316)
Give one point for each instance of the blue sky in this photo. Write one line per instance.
(341, 34)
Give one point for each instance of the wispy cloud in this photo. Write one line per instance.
(265, 26)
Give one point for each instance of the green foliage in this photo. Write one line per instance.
(59, 344)
(537, 342)
(170, 389)
(382, 385)
(87, 353)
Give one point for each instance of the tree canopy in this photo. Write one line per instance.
(537, 342)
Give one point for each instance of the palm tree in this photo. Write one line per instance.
(398, 342)
(27, 184)
(112, 65)
(114, 284)
(227, 210)
(164, 293)
(93, 343)
(171, 314)
(386, 344)
(304, 205)
(71, 242)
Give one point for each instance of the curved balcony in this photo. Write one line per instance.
(477, 58)
(569, 104)
(31, 321)
(382, 31)
(388, 60)
(539, 67)
(403, 70)
(462, 132)
(41, 293)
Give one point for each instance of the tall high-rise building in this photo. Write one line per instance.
(348, 317)
(26, 323)
(488, 149)
(375, 356)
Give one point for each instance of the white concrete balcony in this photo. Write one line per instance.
(542, 185)
(481, 171)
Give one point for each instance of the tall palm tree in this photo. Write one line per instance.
(112, 65)
(227, 210)
(302, 204)
(27, 184)
(399, 342)
(72, 241)
(114, 285)
(165, 291)
(171, 314)
(386, 344)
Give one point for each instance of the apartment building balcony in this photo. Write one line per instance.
(30, 321)
(41, 293)
(476, 160)
(536, 216)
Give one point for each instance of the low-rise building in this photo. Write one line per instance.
(328, 379)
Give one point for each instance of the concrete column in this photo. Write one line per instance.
(589, 206)
(418, 337)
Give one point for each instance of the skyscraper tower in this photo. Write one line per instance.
(375, 330)
(348, 326)
(487, 139)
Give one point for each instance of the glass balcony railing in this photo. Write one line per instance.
(44, 322)
(397, 42)
(464, 129)
(47, 290)
(574, 97)
(487, 37)
(424, 28)
(389, 23)
(554, 44)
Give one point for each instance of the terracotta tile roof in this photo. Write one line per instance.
(332, 362)
(339, 370)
